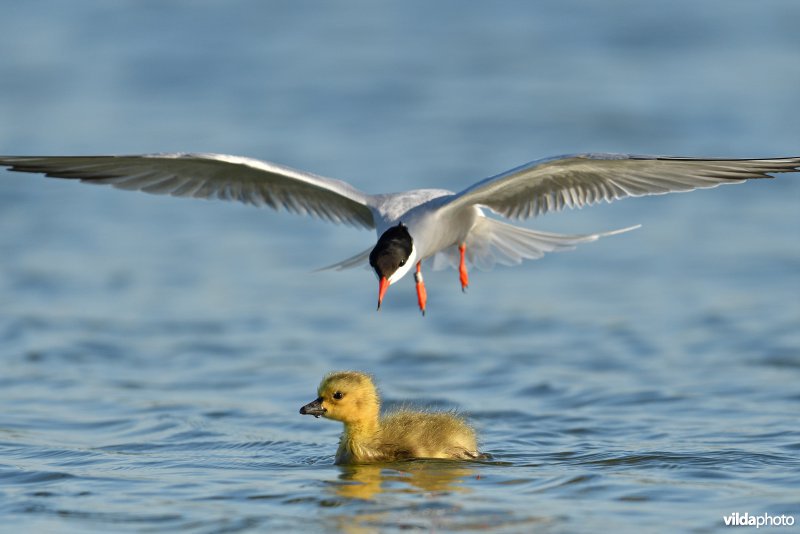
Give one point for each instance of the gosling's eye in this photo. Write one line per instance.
(338, 395)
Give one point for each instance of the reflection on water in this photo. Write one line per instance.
(367, 481)
(437, 495)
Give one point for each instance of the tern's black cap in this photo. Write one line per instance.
(391, 251)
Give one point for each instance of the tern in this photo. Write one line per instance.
(451, 228)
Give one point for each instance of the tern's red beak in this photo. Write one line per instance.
(383, 285)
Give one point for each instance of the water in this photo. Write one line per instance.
(155, 351)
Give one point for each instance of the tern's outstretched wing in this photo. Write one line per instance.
(578, 180)
(211, 176)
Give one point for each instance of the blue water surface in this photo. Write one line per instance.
(155, 351)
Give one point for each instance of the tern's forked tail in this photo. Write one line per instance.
(491, 242)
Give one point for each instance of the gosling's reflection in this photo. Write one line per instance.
(430, 476)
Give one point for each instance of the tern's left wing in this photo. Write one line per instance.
(579, 180)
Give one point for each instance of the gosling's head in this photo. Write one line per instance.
(346, 396)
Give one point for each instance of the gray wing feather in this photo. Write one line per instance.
(491, 241)
(578, 180)
(211, 176)
(359, 260)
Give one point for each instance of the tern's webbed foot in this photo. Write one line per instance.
(422, 294)
(462, 269)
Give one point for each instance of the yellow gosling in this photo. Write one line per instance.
(351, 397)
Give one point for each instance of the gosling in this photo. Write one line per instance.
(351, 397)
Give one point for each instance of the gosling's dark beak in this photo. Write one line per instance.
(314, 408)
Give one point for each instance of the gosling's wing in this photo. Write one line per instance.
(210, 176)
(578, 180)
(428, 434)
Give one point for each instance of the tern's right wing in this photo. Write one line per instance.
(219, 176)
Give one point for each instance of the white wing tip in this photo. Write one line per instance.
(620, 231)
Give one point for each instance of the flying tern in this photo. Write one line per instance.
(451, 228)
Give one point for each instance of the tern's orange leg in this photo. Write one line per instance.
(462, 268)
(422, 295)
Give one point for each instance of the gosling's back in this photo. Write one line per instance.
(408, 434)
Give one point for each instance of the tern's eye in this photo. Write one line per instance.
(402, 262)
(338, 395)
